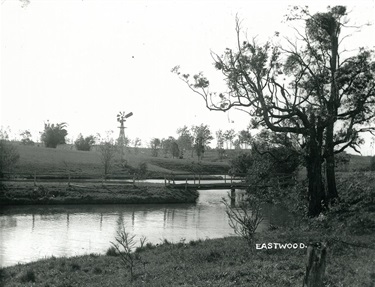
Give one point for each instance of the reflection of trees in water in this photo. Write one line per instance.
(101, 222)
(120, 222)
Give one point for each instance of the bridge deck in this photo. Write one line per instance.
(211, 185)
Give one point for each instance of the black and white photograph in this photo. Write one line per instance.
(187, 143)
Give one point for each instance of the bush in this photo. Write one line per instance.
(54, 134)
(141, 170)
(244, 218)
(124, 247)
(9, 156)
(84, 144)
(29, 276)
(111, 251)
(372, 163)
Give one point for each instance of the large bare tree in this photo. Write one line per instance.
(302, 88)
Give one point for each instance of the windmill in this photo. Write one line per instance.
(121, 118)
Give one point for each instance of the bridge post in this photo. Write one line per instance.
(232, 196)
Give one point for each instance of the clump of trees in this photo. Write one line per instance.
(170, 146)
(303, 88)
(202, 138)
(272, 155)
(107, 152)
(26, 138)
(54, 134)
(9, 155)
(84, 144)
(155, 144)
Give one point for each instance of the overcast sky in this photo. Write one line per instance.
(83, 61)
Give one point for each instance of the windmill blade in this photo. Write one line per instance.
(128, 115)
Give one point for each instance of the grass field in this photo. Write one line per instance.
(41, 160)
(63, 160)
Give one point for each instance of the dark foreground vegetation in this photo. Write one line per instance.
(348, 229)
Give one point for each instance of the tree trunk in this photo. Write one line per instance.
(315, 265)
(332, 111)
(314, 169)
(315, 188)
(332, 193)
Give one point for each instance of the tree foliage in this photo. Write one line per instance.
(84, 144)
(155, 144)
(54, 134)
(107, 152)
(26, 138)
(184, 140)
(202, 138)
(9, 156)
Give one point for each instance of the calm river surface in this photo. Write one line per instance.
(29, 233)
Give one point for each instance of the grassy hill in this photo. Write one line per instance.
(62, 160)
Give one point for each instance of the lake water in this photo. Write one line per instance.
(29, 233)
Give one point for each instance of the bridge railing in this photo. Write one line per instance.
(170, 179)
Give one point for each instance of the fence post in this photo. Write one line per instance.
(232, 197)
(34, 178)
(186, 184)
(315, 265)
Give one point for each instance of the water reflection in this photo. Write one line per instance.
(33, 232)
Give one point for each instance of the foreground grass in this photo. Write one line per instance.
(17, 193)
(219, 262)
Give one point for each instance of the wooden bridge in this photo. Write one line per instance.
(223, 185)
(202, 182)
(224, 182)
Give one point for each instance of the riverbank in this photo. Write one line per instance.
(219, 262)
(348, 229)
(53, 193)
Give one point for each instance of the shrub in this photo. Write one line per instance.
(111, 251)
(75, 267)
(124, 246)
(54, 134)
(84, 144)
(244, 218)
(29, 276)
(372, 163)
(9, 156)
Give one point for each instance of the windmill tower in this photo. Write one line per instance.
(121, 118)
